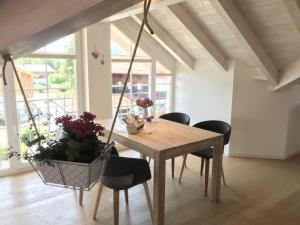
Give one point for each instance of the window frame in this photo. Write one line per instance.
(152, 80)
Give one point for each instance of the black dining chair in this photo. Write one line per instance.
(178, 118)
(205, 155)
(122, 173)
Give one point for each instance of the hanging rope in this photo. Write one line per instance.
(146, 10)
(147, 4)
(7, 58)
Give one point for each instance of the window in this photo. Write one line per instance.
(137, 87)
(139, 83)
(163, 89)
(122, 47)
(49, 80)
(48, 76)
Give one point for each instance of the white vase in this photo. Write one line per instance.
(145, 113)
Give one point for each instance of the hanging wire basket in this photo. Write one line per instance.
(73, 175)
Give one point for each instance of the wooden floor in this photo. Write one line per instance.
(259, 192)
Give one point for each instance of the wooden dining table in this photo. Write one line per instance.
(162, 140)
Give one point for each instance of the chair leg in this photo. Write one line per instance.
(80, 196)
(202, 166)
(126, 196)
(100, 189)
(185, 162)
(206, 175)
(116, 207)
(223, 176)
(173, 165)
(148, 199)
(182, 167)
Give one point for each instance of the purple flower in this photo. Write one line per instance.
(88, 116)
(145, 103)
(81, 128)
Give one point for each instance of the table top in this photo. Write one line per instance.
(161, 136)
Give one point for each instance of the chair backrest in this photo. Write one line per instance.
(123, 171)
(177, 117)
(216, 126)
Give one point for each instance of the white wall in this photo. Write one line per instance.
(259, 117)
(205, 93)
(97, 77)
(265, 124)
(293, 134)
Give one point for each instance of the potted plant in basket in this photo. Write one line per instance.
(74, 156)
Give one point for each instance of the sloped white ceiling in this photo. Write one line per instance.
(27, 25)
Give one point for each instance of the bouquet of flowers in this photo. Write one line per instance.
(144, 102)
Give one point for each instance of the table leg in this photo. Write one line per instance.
(159, 191)
(217, 170)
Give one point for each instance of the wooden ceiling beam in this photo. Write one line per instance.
(289, 76)
(199, 35)
(168, 42)
(239, 26)
(293, 9)
(25, 26)
(138, 8)
(129, 27)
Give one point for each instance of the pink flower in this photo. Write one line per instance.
(63, 119)
(145, 103)
(81, 128)
(88, 116)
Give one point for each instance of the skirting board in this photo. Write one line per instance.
(263, 156)
(256, 156)
(10, 172)
(292, 154)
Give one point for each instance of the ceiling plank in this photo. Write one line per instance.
(26, 26)
(293, 8)
(289, 76)
(168, 42)
(130, 28)
(138, 8)
(200, 36)
(239, 26)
